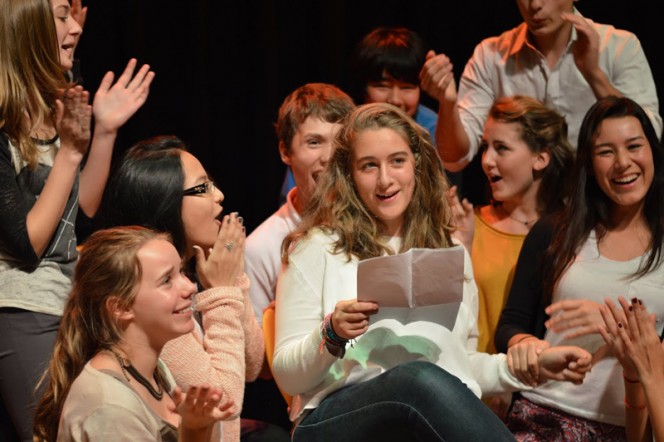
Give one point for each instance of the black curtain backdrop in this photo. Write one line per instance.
(223, 68)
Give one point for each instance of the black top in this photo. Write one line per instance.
(524, 310)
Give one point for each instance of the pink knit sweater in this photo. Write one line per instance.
(230, 352)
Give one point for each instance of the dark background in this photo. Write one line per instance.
(223, 67)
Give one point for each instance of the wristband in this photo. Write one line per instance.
(633, 407)
(523, 338)
(631, 381)
(334, 343)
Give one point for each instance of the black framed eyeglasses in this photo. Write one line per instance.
(207, 188)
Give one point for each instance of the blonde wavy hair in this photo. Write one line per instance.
(336, 207)
(31, 76)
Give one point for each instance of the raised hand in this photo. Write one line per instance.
(350, 318)
(115, 103)
(72, 120)
(464, 221)
(631, 335)
(586, 47)
(224, 262)
(437, 77)
(523, 360)
(581, 315)
(79, 12)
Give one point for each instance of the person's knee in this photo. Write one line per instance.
(422, 378)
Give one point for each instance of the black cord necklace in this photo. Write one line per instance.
(527, 223)
(128, 368)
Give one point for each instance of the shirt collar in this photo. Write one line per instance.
(521, 40)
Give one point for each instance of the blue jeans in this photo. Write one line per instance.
(415, 401)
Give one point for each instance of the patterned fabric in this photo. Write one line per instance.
(530, 422)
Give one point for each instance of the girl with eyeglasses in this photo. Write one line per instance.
(159, 184)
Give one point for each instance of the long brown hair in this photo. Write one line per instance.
(108, 267)
(337, 208)
(31, 76)
(589, 207)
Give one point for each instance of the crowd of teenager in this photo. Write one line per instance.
(151, 327)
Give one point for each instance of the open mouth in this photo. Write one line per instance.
(67, 47)
(627, 179)
(315, 176)
(386, 196)
(189, 308)
(495, 178)
(220, 215)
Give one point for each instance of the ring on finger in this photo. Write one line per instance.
(229, 246)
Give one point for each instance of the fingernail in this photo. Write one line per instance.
(634, 300)
(640, 303)
(620, 324)
(631, 308)
(228, 220)
(240, 219)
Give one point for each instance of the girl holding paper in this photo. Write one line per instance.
(405, 375)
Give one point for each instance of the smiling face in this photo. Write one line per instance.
(509, 163)
(308, 155)
(383, 169)
(68, 32)
(622, 162)
(543, 16)
(162, 306)
(200, 213)
(405, 96)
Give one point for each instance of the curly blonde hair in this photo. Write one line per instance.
(337, 208)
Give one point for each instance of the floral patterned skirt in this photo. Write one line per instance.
(530, 422)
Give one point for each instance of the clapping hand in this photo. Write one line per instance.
(437, 77)
(115, 103)
(201, 407)
(631, 335)
(464, 220)
(586, 47)
(79, 12)
(72, 120)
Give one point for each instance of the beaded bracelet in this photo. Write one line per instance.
(334, 343)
